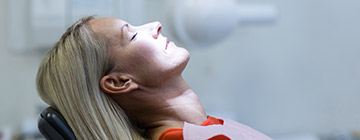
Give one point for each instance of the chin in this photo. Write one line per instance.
(184, 63)
(179, 60)
(186, 54)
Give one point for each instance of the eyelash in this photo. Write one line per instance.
(133, 37)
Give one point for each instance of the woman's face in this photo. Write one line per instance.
(142, 51)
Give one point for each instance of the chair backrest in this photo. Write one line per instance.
(53, 126)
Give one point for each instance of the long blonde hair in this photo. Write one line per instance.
(68, 79)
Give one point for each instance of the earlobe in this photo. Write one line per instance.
(117, 84)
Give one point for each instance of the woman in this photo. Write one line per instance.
(112, 80)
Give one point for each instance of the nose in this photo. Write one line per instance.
(155, 29)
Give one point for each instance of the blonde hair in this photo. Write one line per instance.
(68, 79)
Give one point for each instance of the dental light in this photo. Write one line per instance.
(207, 22)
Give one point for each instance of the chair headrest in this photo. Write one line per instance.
(53, 126)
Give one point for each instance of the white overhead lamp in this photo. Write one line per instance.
(206, 22)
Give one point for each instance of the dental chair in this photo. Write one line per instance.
(53, 126)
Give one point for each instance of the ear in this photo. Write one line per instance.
(115, 83)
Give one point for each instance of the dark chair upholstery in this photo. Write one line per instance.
(53, 126)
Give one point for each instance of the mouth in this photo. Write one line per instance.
(167, 43)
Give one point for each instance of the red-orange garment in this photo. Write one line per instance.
(177, 133)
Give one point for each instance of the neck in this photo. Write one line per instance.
(169, 105)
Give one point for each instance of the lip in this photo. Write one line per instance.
(167, 43)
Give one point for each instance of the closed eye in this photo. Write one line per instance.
(133, 37)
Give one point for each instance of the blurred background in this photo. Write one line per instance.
(290, 69)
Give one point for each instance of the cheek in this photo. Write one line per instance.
(141, 55)
(147, 50)
(144, 49)
(145, 62)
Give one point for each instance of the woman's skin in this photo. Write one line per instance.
(146, 80)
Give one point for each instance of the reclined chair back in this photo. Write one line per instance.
(53, 126)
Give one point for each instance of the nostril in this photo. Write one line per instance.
(159, 29)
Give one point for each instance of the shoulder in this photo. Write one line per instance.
(178, 133)
(227, 129)
(213, 129)
(172, 134)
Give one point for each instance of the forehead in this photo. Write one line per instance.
(106, 25)
(110, 28)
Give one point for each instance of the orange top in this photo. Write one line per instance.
(177, 133)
